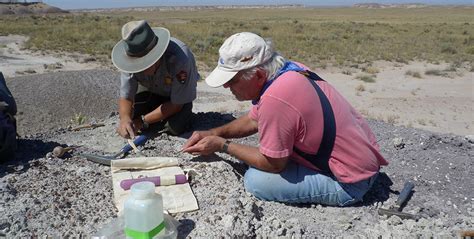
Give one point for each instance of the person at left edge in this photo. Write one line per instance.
(158, 80)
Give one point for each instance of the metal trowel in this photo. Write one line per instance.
(106, 159)
(396, 210)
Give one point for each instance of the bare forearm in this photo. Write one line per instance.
(164, 111)
(241, 127)
(125, 109)
(126, 128)
(252, 156)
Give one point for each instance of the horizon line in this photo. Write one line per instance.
(270, 5)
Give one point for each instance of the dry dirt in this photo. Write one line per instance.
(72, 197)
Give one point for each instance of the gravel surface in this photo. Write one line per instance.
(50, 101)
(72, 197)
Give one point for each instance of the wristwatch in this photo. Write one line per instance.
(145, 125)
(225, 147)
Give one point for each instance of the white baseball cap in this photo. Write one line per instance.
(240, 51)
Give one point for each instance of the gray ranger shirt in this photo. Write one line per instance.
(176, 77)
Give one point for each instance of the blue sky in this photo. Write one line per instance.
(77, 4)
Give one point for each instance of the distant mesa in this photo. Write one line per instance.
(17, 7)
(189, 8)
(378, 5)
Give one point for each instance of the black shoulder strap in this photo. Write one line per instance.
(321, 158)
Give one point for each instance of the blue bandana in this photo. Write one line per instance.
(288, 66)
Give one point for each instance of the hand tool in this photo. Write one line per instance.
(466, 234)
(106, 159)
(140, 140)
(396, 210)
(59, 151)
(157, 180)
(134, 147)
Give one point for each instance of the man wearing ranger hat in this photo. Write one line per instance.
(313, 145)
(158, 80)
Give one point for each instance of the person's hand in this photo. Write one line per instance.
(206, 145)
(126, 129)
(195, 137)
(137, 124)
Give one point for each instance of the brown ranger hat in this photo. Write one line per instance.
(141, 46)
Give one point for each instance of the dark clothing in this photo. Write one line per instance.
(146, 102)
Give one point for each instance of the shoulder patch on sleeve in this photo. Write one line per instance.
(182, 76)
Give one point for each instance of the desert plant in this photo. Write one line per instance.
(371, 70)
(392, 119)
(435, 72)
(470, 50)
(366, 78)
(421, 122)
(360, 88)
(343, 34)
(346, 72)
(451, 68)
(78, 119)
(415, 74)
(448, 49)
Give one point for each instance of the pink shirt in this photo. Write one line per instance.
(289, 114)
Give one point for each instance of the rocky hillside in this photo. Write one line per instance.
(28, 8)
(378, 5)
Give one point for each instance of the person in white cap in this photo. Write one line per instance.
(158, 80)
(313, 145)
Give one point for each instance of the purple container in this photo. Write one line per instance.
(157, 180)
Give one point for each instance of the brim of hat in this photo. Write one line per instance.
(219, 77)
(128, 64)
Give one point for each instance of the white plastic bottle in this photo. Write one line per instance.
(143, 212)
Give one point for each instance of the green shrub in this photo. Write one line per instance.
(413, 74)
(470, 50)
(448, 49)
(78, 119)
(435, 72)
(366, 78)
(371, 70)
(416, 75)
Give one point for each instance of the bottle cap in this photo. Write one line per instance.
(142, 190)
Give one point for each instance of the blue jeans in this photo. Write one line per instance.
(299, 184)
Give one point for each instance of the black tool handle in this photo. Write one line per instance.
(405, 193)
